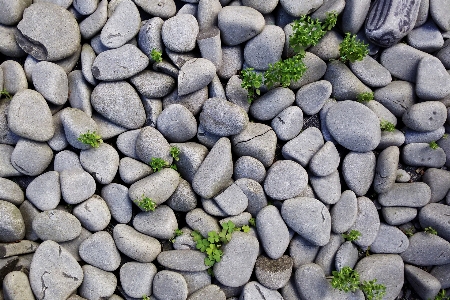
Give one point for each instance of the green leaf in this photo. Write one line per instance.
(90, 138)
(157, 164)
(246, 228)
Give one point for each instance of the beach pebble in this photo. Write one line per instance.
(97, 283)
(160, 223)
(386, 169)
(427, 249)
(395, 215)
(390, 239)
(50, 80)
(183, 260)
(194, 75)
(136, 278)
(441, 19)
(426, 285)
(421, 154)
(266, 48)
(152, 84)
(371, 72)
(165, 9)
(303, 147)
(272, 103)
(119, 204)
(93, 213)
(288, 123)
(432, 81)
(344, 212)
(272, 231)
(249, 167)
(414, 194)
(179, 33)
(232, 200)
(439, 182)
(77, 185)
(358, 170)
(99, 250)
(327, 188)
(44, 191)
(285, 179)
(17, 286)
(426, 38)
(169, 285)
(11, 192)
(346, 256)
(102, 162)
(12, 228)
(31, 158)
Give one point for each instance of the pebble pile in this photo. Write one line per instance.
(304, 164)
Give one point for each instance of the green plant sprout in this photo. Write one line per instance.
(145, 203)
(175, 153)
(353, 235)
(409, 232)
(442, 295)
(5, 93)
(330, 20)
(433, 145)
(157, 164)
(387, 126)
(156, 55)
(252, 222)
(347, 280)
(285, 71)
(251, 81)
(90, 138)
(445, 136)
(365, 97)
(351, 49)
(177, 232)
(145, 297)
(431, 230)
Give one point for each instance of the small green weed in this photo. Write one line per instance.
(157, 164)
(365, 97)
(445, 136)
(330, 21)
(353, 235)
(145, 297)
(145, 203)
(285, 71)
(433, 145)
(442, 295)
(387, 126)
(306, 32)
(175, 153)
(431, 230)
(91, 138)
(156, 55)
(252, 222)
(6, 94)
(373, 290)
(177, 232)
(409, 232)
(352, 50)
(251, 81)
(347, 280)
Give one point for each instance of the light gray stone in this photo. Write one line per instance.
(31, 158)
(390, 239)
(97, 283)
(327, 188)
(169, 285)
(367, 222)
(50, 80)
(160, 223)
(11, 192)
(358, 170)
(100, 251)
(179, 33)
(303, 147)
(266, 48)
(136, 278)
(77, 185)
(12, 228)
(56, 225)
(44, 191)
(93, 213)
(344, 212)
(94, 23)
(426, 249)
(285, 179)
(183, 260)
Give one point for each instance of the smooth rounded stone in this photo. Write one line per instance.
(12, 227)
(76, 185)
(425, 116)
(31, 158)
(327, 188)
(8, 44)
(209, 292)
(149, 36)
(344, 212)
(103, 162)
(346, 256)
(323, 120)
(444, 55)
(422, 16)
(11, 192)
(194, 75)
(44, 191)
(169, 285)
(288, 123)
(427, 249)
(412, 136)
(397, 96)
(126, 142)
(354, 15)
(426, 38)
(197, 219)
(441, 19)
(73, 246)
(183, 260)
(249, 21)
(421, 154)
(388, 269)
(12, 11)
(50, 80)
(80, 91)
(433, 81)
(402, 61)
(93, 213)
(136, 278)
(160, 223)
(266, 48)
(158, 186)
(402, 176)
(439, 182)
(435, 215)
(358, 170)
(153, 84)
(29, 116)
(59, 141)
(54, 272)
(316, 68)
(56, 38)
(311, 283)
(6, 167)
(273, 273)
(441, 273)
(191, 157)
(302, 251)
(206, 138)
(445, 144)
(106, 128)
(345, 84)
(122, 25)
(152, 107)
(193, 101)
(390, 239)
(255, 195)
(92, 25)
(383, 26)
(326, 255)
(232, 60)
(327, 48)
(361, 132)
(164, 9)
(85, 7)
(195, 280)
(309, 218)
(285, 179)
(232, 201)
(249, 167)
(303, 147)
(179, 33)
(269, 105)
(177, 124)
(236, 94)
(120, 63)
(272, 231)
(370, 72)
(325, 161)
(239, 258)
(76, 122)
(367, 222)
(97, 283)
(398, 215)
(209, 42)
(386, 169)
(299, 8)
(109, 99)
(256, 140)
(424, 284)
(138, 246)
(100, 251)
(56, 225)
(254, 290)
(16, 286)
(311, 97)
(211, 207)
(119, 203)
(14, 79)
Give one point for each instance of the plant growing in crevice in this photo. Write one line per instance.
(252, 222)
(91, 138)
(365, 97)
(145, 203)
(156, 55)
(5, 93)
(350, 49)
(348, 280)
(177, 232)
(251, 81)
(285, 71)
(442, 295)
(430, 230)
(175, 153)
(433, 145)
(157, 164)
(386, 126)
(353, 235)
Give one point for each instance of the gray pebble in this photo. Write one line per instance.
(59, 141)
(169, 285)
(421, 154)
(426, 249)
(119, 204)
(97, 283)
(302, 251)
(138, 246)
(423, 13)
(149, 37)
(122, 25)
(439, 182)
(288, 123)
(415, 194)
(326, 255)
(266, 48)
(397, 96)
(272, 231)
(198, 220)
(412, 136)
(152, 84)
(56, 225)
(206, 138)
(109, 98)
(50, 80)
(100, 251)
(183, 260)
(402, 176)
(255, 195)
(236, 94)
(196, 280)
(441, 273)
(85, 7)
(160, 223)
(273, 273)
(102, 162)
(95, 21)
(16, 286)
(166, 10)
(44, 191)
(93, 213)
(56, 38)
(193, 101)
(328, 6)
(327, 188)
(12, 227)
(327, 48)
(73, 246)
(311, 283)
(371, 72)
(285, 179)
(390, 239)
(358, 170)
(6, 167)
(12, 11)
(398, 215)
(346, 256)
(435, 215)
(211, 207)
(11, 192)
(432, 81)
(325, 161)
(119, 63)
(184, 198)
(136, 278)
(191, 157)
(249, 21)
(269, 105)
(354, 15)
(14, 78)
(386, 169)
(126, 143)
(302, 7)
(76, 185)
(316, 68)
(311, 97)
(80, 92)
(209, 292)
(426, 37)
(194, 75)
(303, 147)
(444, 55)
(254, 289)
(367, 222)
(151, 143)
(209, 42)
(31, 158)
(179, 33)
(249, 167)
(75, 123)
(441, 19)
(232, 59)
(177, 124)
(426, 285)
(344, 212)
(232, 200)
(56, 269)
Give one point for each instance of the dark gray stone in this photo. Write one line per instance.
(421, 154)
(386, 169)
(344, 212)
(358, 170)
(412, 136)
(435, 215)
(390, 239)
(184, 198)
(439, 182)
(426, 249)
(367, 222)
(303, 147)
(432, 81)
(426, 38)
(424, 284)
(354, 15)
(442, 273)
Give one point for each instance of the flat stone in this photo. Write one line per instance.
(325, 161)
(76, 185)
(344, 213)
(433, 81)
(254, 289)
(327, 188)
(316, 68)
(197, 219)
(397, 96)
(48, 32)
(354, 15)
(266, 48)
(165, 10)
(97, 283)
(177, 124)
(44, 191)
(311, 97)
(11, 192)
(358, 170)
(288, 123)
(100, 251)
(371, 72)
(160, 223)
(367, 222)
(194, 75)
(209, 42)
(435, 215)
(93, 24)
(13, 11)
(421, 154)
(302, 251)
(50, 80)
(426, 37)
(209, 292)
(326, 255)
(153, 84)
(17, 286)
(441, 273)
(346, 256)
(12, 227)
(303, 147)
(93, 213)
(249, 167)
(255, 195)
(425, 284)
(136, 278)
(269, 105)
(439, 182)
(169, 285)
(426, 249)
(311, 282)
(442, 20)
(415, 194)
(183, 260)
(272, 231)
(147, 143)
(398, 215)
(179, 33)
(412, 136)
(386, 169)
(390, 239)
(102, 162)
(14, 79)
(327, 48)
(232, 201)
(285, 179)
(56, 225)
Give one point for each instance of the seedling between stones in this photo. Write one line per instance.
(145, 203)
(6, 94)
(351, 49)
(156, 55)
(433, 145)
(431, 230)
(365, 97)
(353, 235)
(387, 126)
(91, 138)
